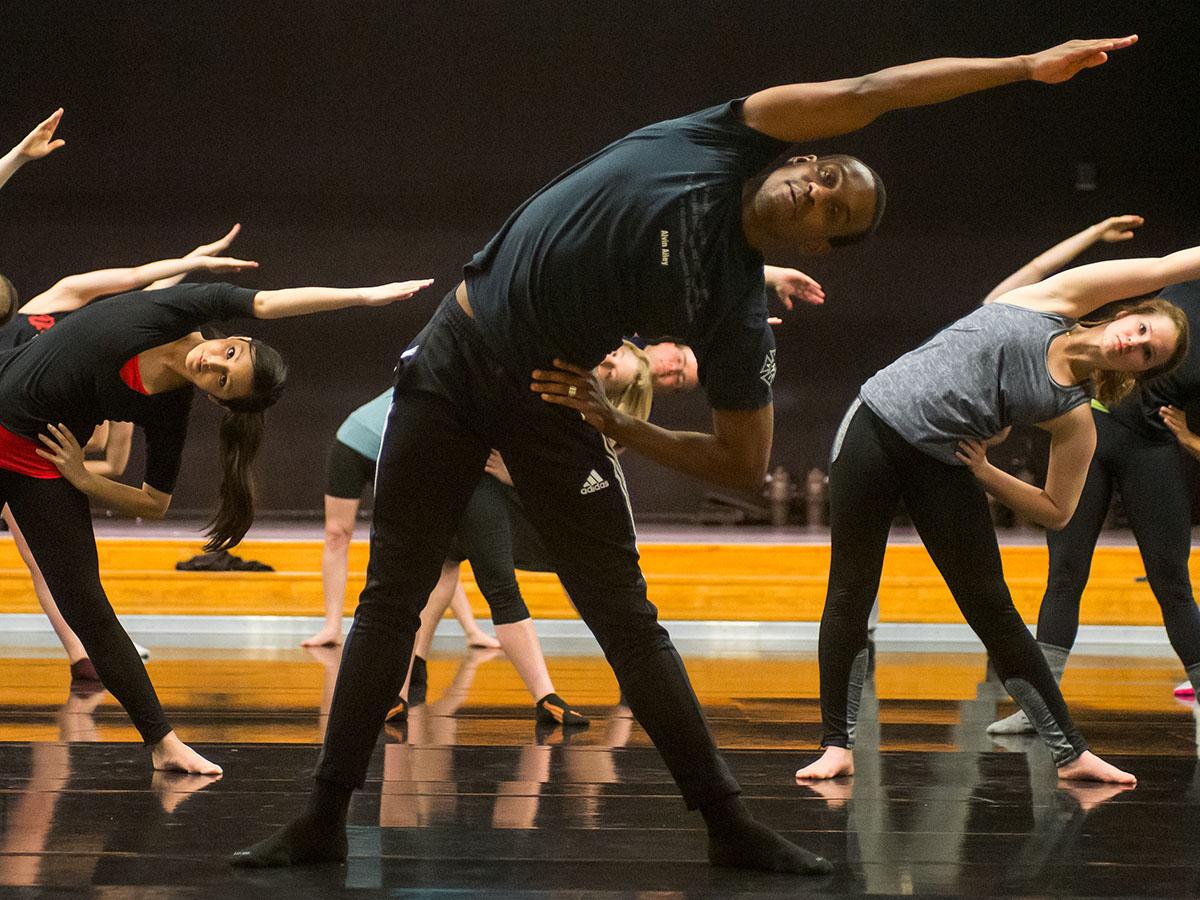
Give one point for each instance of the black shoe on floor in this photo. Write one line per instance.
(398, 712)
(553, 709)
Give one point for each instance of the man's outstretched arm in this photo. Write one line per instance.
(805, 112)
(735, 455)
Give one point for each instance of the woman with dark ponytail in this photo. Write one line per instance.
(136, 358)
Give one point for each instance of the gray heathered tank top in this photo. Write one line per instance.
(972, 379)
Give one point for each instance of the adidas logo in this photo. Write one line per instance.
(594, 483)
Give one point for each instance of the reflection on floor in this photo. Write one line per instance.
(471, 798)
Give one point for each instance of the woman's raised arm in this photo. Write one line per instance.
(289, 302)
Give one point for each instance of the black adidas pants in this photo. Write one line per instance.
(453, 401)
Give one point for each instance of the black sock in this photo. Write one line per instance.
(418, 682)
(736, 840)
(317, 836)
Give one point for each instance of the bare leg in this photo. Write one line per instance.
(66, 636)
(340, 514)
(439, 599)
(520, 643)
(476, 636)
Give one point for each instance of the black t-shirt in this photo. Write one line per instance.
(1180, 387)
(71, 373)
(23, 328)
(645, 237)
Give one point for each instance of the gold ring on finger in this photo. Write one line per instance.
(572, 391)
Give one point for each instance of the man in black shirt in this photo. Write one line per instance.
(663, 233)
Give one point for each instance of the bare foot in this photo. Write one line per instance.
(1090, 767)
(480, 638)
(328, 636)
(173, 755)
(834, 762)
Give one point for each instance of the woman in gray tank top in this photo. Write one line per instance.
(919, 432)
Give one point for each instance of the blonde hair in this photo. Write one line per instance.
(8, 300)
(1110, 386)
(636, 398)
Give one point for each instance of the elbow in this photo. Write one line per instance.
(1057, 520)
(261, 306)
(749, 478)
(868, 96)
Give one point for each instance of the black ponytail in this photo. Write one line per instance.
(240, 436)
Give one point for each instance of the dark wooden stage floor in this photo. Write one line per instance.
(471, 799)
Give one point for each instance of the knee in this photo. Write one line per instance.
(621, 624)
(1067, 578)
(338, 535)
(507, 607)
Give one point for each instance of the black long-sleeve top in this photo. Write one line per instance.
(71, 373)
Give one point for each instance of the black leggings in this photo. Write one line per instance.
(1150, 478)
(495, 537)
(872, 471)
(57, 524)
(453, 402)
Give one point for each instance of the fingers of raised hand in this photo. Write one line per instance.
(577, 370)
(65, 436)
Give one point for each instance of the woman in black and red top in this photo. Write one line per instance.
(40, 314)
(135, 358)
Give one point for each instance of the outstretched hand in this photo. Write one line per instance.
(390, 293)
(578, 389)
(41, 142)
(1117, 228)
(223, 264)
(1064, 62)
(219, 246)
(64, 451)
(792, 285)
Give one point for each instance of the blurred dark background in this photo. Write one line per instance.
(374, 141)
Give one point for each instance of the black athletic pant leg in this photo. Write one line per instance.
(1156, 498)
(57, 524)
(485, 540)
(574, 493)
(428, 467)
(1071, 548)
(863, 496)
(949, 509)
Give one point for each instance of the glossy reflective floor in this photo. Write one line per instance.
(472, 799)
